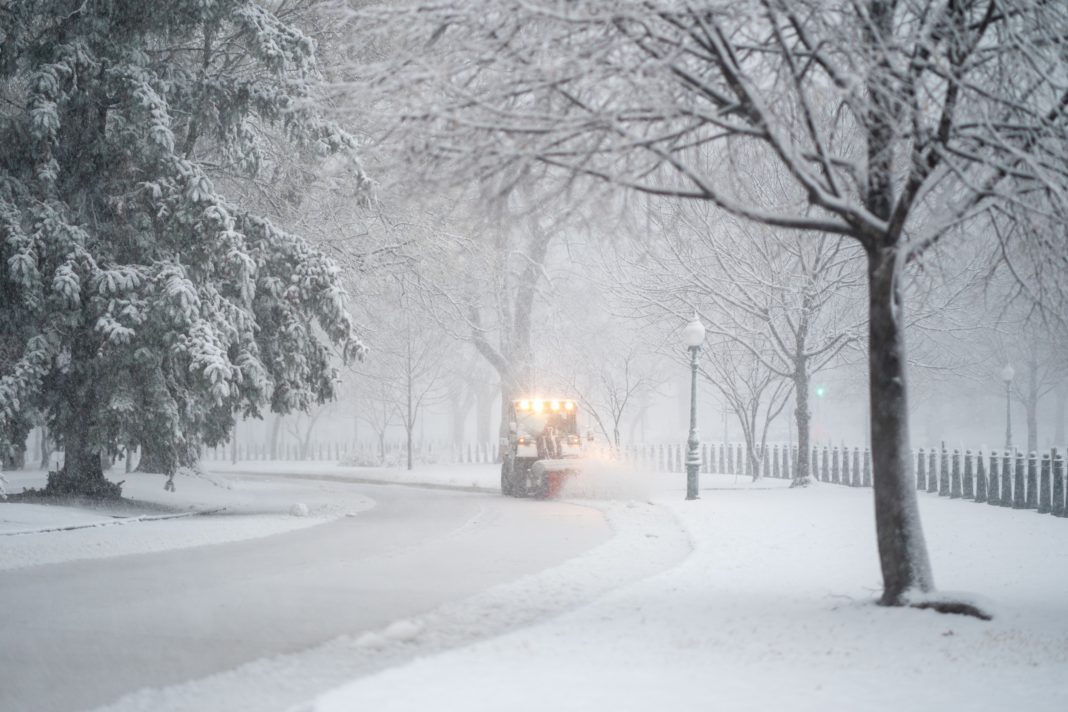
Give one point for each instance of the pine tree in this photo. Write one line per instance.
(137, 304)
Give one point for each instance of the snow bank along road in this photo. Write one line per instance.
(83, 633)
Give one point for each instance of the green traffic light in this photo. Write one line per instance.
(820, 391)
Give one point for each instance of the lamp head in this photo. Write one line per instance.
(694, 333)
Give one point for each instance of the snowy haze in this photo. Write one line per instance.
(275, 277)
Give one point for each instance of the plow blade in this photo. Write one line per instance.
(555, 473)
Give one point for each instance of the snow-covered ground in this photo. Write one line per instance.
(773, 610)
(754, 597)
(239, 510)
(474, 477)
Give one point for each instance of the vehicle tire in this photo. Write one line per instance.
(506, 486)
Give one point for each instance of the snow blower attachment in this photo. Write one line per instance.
(544, 447)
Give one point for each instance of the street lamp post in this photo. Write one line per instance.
(693, 335)
(1007, 374)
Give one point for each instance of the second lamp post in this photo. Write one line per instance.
(694, 336)
(1007, 375)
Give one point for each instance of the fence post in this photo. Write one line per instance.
(1058, 487)
(943, 473)
(954, 487)
(1006, 479)
(858, 478)
(1019, 488)
(847, 476)
(1031, 500)
(980, 478)
(867, 467)
(786, 462)
(993, 493)
(775, 461)
(969, 488)
(932, 471)
(921, 471)
(1045, 504)
(704, 458)
(722, 469)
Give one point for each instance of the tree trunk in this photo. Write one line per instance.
(484, 413)
(81, 473)
(152, 460)
(276, 429)
(902, 549)
(802, 420)
(46, 448)
(1031, 405)
(460, 406)
(1058, 426)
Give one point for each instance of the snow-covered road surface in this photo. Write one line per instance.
(83, 633)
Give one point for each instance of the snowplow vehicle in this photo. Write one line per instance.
(543, 448)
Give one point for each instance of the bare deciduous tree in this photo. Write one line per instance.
(893, 118)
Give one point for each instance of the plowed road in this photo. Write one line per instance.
(81, 634)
